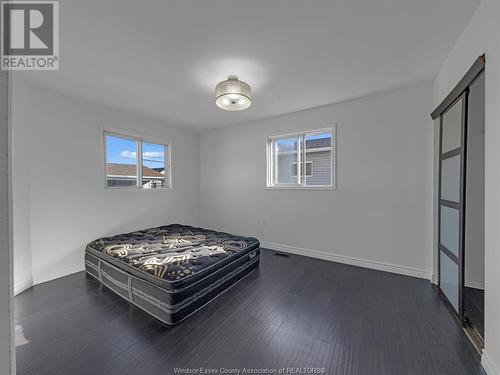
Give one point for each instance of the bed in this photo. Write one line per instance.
(171, 271)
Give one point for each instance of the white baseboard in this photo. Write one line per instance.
(477, 284)
(434, 279)
(38, 279)
(489, 366)
(402, 270)
(21, 286)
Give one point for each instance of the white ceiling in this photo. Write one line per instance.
(162, 59)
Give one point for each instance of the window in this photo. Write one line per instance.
(302, 160)
(309, 169)
(132, 162)
(153, 165)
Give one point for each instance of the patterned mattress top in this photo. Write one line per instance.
(172, 252)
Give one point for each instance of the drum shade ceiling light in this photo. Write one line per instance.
(233, 95)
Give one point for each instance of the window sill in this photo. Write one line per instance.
(318, 188)
(136, 190)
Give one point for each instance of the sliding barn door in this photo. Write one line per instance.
(452, 202)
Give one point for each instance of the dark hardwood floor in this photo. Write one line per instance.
(474, 308)
(294, 312)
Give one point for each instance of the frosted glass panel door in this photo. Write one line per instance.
(450, 182)
(451, 203)
(452, 127)
(449, 280)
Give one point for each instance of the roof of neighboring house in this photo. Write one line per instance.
(318, 143)
(311, 144)
(159, 169)
(113, 169)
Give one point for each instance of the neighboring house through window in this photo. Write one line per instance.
(302, 160)
(132, 162)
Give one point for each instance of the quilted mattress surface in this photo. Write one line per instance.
(172, 256)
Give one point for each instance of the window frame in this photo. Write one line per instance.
(271, 170)
(139, 160)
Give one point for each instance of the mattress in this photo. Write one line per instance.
(171, 271)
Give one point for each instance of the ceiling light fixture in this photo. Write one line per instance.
(233, 95)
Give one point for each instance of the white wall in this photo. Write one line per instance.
(381, 214)
(483, 35)
(474, 211)
(21, 162)
(7, 362)
(59, 202)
